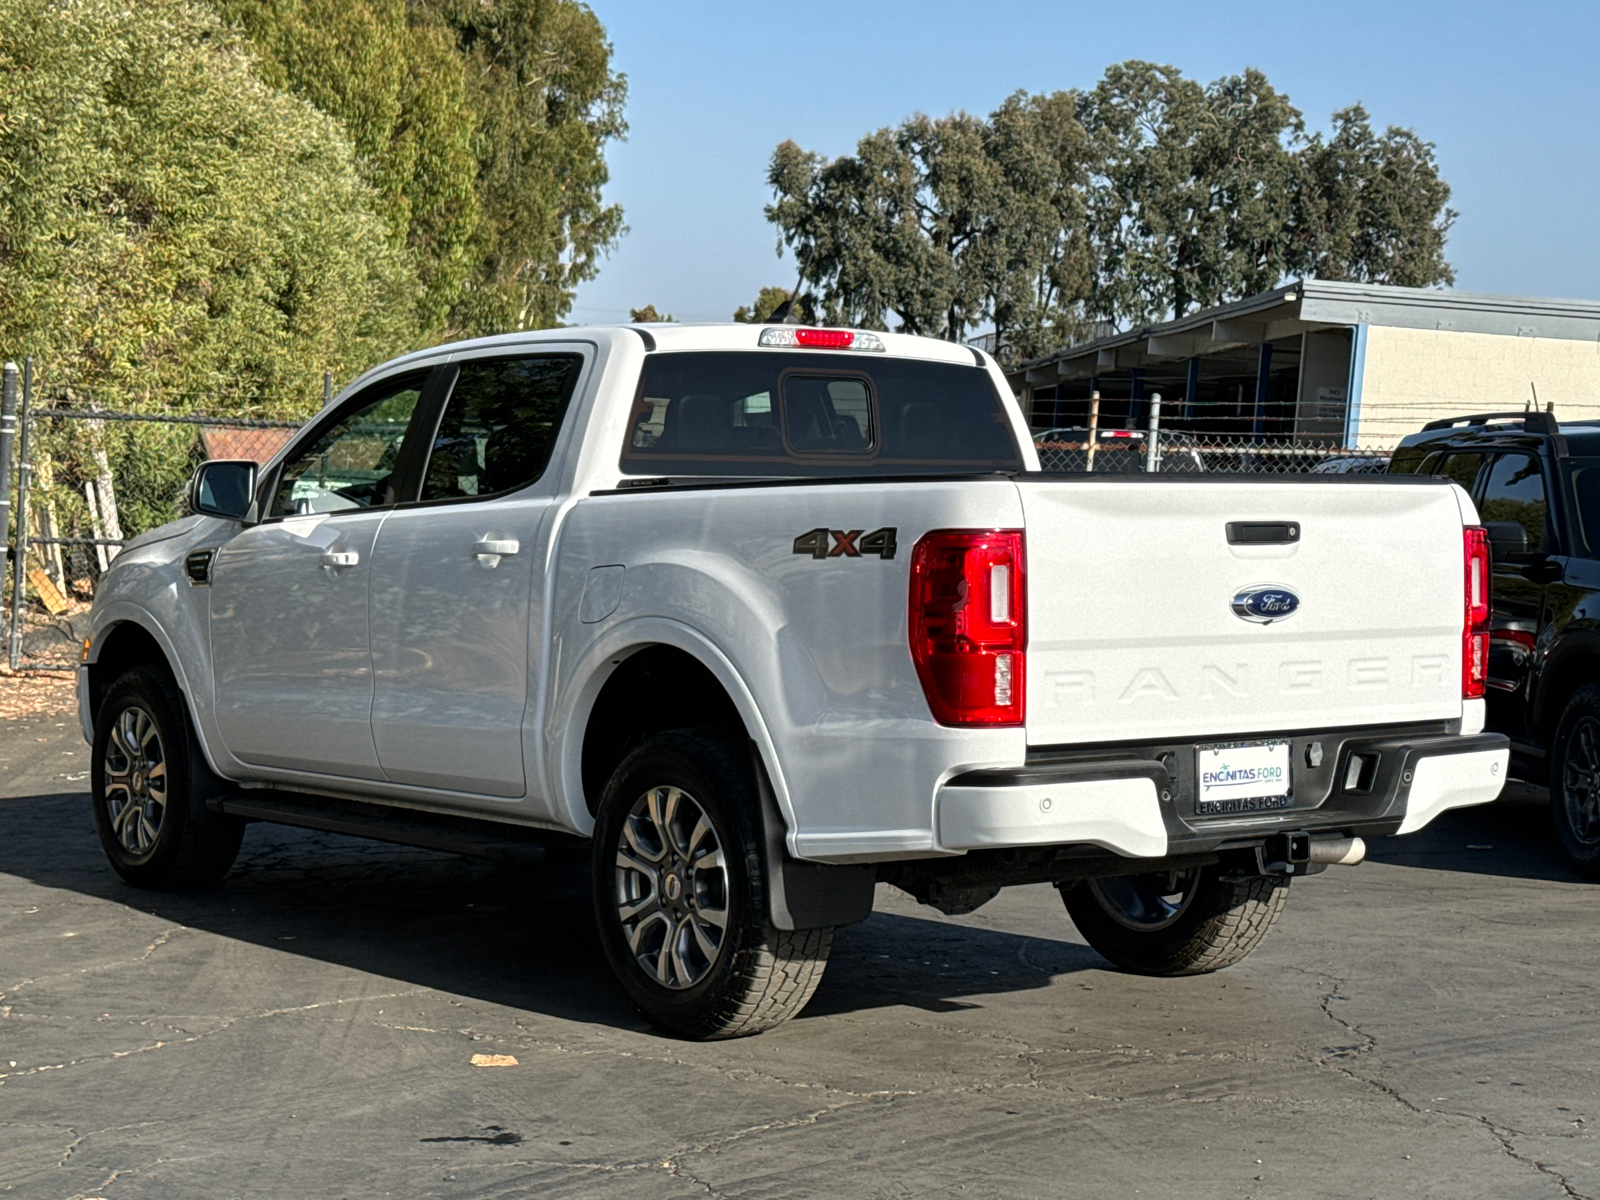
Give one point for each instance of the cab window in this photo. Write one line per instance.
(499, 424)
(1515, 492)
(351, 465)
(1585, 476)
(1460, 468)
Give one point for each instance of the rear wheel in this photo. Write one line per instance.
(147, 776)
(680, 894)
(1175, 922)
(1575, 781)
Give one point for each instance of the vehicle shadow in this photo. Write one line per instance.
(523, 937)
(1511, 837)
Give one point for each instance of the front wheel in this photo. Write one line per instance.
(680, 894)
(1175, 922)
(146, 773)
(1575, 781)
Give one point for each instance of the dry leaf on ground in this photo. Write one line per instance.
(36, 693)
(494, 1060)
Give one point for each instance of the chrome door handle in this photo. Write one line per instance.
(340, 558)
(495, 547)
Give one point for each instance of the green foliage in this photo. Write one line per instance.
(767, 302)
(400, 89)
(648, 314)
(539, 77)
(483, 126)
(174, 226)
(1194, 189)
(175, 233)
(1148, 196)
(1374, 208)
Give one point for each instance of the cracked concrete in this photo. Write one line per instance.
(1421, 1025)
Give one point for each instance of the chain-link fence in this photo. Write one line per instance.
(1123, 451)
(87, 480)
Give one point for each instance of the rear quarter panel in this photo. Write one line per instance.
(820, 645)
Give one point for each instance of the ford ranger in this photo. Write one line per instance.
(766, 616)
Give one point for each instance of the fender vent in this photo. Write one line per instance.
(197, 566)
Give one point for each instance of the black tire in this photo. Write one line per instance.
(1175, 923)
(1575, 781)
(755, 976)
(148, 805)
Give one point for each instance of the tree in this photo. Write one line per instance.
(648, 314)
(767, 302)
(173, 231)
(1144, 198)
(892, 228)
(1041, 256)
(1373, 209)
(947, 223)
(1193, 191)
(482, 123)
(548, 101)
(400, 90)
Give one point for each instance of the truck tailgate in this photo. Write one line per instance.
(1132, 628)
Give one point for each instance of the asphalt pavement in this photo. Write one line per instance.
(1422, 1025)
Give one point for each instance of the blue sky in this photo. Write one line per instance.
(1509, 93)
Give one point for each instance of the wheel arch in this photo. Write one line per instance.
(126, 637)
(1574, 664)
(597, 691)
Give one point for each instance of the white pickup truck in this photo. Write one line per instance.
(768, 615)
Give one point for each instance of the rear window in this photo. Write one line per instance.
(1408, 460)
(738, 413)
(1584, 474)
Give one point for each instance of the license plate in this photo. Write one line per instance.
(1242, 777)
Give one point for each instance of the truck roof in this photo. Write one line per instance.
(673, 335)
(1525, 429)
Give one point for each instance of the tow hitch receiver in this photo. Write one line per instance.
(1284, 854)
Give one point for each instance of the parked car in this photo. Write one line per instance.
(767, 616)
(1124, 450)
(1352, 464)
(1536, 483)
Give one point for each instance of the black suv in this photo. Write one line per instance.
(1537, 487)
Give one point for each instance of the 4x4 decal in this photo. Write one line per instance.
(846, 543)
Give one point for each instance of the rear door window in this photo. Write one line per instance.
(1585, 476)
(1515, 491)
(733, 413)
(499, 424)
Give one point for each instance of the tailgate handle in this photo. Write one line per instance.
(1263, 533)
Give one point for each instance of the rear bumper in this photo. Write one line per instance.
(1138, 801)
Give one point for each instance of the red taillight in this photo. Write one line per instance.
(969, 624)
(1475, 606)
(828, 339)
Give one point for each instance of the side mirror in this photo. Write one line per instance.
(223, 487)
(1507, 540)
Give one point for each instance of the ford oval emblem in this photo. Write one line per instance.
(1265, 603)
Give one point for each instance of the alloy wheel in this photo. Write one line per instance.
(1146, 902)
(672, 892)
(1580, 781)
(135, 786)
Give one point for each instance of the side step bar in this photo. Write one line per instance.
(405, 827)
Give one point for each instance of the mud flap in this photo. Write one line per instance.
(806, 895)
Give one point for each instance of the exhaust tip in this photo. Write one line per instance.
(1338, 851)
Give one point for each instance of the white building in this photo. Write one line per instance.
(1332, 364)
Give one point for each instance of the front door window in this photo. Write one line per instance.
(352, 464)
